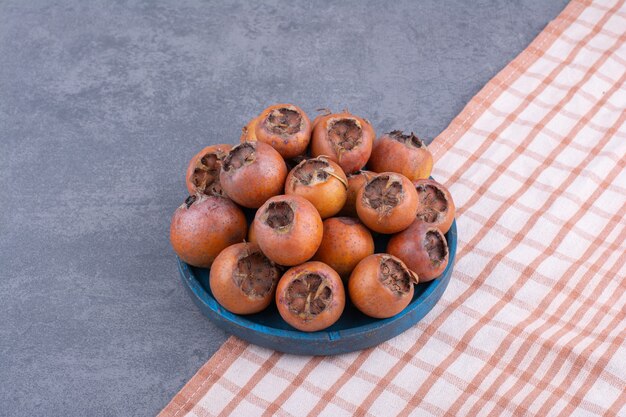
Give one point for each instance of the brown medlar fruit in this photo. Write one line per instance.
(344, 138)
(288, 229)
(345, 243)
(434, 204)
(405, 154)
(252, 172)
(387, 203)
(203, 226)
(203, 171)
(423, 248)
(310, 297)
(381, 286)
(320, 181)
(242, 279)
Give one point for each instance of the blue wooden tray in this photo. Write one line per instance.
(354, 330)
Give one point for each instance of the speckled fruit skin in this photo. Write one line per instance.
(409, 246)
(219, 151)
(224, 288)
(288, 145)
(344, 244)
(198, 233)
(444, 219)
(369, 295)
(326, 318)
(252, 184)
(328, 197)
(399, 217)
(248, 132)
(252, 233)
(351, 160)
(295, 244)
(355, 182)
(391, 155)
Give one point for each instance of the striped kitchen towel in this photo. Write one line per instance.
(534, 319)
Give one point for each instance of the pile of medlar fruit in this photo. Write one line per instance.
(317, 192)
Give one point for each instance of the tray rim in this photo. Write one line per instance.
(230, 321)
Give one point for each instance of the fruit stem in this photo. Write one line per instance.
(190, 200)
(344, 182)
(324, 110)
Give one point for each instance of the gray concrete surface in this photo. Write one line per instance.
(102, 104)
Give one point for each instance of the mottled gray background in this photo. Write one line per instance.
(101, 106)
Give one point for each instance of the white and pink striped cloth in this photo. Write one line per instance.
(534, 319)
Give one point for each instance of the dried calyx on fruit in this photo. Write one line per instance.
(285, 127)
(308, 295)
(383, 193)
(311, 171)
(433, 201)
(279, 216)
(395, 276)
(344, 134)
(255, 275)
(203, 170)
(315, 171)
(409, 140)
(239, 156)
(206, 176)
(435, 205)
(283, 121)
(436, 247)
(345, 138)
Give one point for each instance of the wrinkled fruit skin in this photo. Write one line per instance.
(344, 244)
(384, 218)
(288, 242)
(243, 280)
(201, 230)
(217, 152)
(371, 296)
(405, 154)
(330, 130)
(293, 309)
(414, 247)
(289, 142)
(355, 182)
(434, 204)
(328, 195)
(248, 132)
(260, 177)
